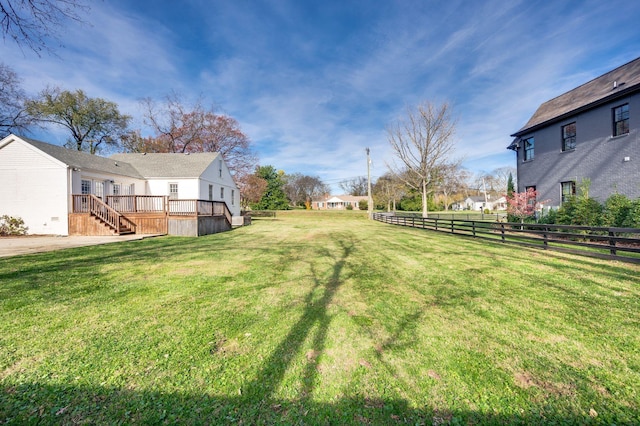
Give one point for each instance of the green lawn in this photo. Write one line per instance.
(315, 318)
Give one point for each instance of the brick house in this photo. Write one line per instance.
(589, 133)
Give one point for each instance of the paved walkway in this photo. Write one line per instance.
(13, 246)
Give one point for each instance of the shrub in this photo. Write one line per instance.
(12, 226)
(349, 207)
(364, 205)
(549, 218)
(588, 212)
(633, 217)
(616, 210)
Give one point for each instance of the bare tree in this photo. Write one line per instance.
(388, 189)
(33, 23)
(301, 189)
(422, 142)
(94, 123)
(501, 178)
(13, 117)
(357, 186)
(180, 127)
(452, 180)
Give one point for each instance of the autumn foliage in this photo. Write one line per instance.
(179, 127)
(522, 204)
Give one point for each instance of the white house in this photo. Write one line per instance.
(51, 187)
(479, 202)
(338, 202)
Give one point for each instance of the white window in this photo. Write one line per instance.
(220, 167)
(173, 191)
(221, 193)
(210, 192)
(233, 196)
(117, 189)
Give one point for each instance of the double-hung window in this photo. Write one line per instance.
(528, 149)
(222, 193)
(621, 120)
(569, 137)
(568, 190)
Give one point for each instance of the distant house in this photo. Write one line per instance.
(589, 133)
(338, 202)
(479, 202)
(59, 191)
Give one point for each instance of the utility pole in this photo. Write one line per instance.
(369, 200)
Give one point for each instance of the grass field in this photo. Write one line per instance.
(315, 318)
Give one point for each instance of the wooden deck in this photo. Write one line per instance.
(146, 214)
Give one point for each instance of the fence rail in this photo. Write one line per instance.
(602, 242)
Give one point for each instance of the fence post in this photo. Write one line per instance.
(612, 243)
(502, 231)
(436, 223)
(473, 226)
(546, 237)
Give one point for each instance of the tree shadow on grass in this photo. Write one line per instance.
(32, 403)
(315, 316)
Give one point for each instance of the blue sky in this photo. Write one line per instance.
(313, 83)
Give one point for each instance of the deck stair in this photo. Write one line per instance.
(112, 219)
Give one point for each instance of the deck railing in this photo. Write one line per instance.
(199, 208)
(137, 203)
(153, 204)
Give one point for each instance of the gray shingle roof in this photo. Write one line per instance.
(139, 166)
(170, 165)
(617, 83)
(84, 160)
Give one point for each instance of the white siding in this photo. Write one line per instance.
(34, 188)
(187, 188)
(211, 176)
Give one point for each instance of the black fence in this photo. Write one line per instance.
(608, 243)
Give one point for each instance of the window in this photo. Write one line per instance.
(173, 191)
(220, 167)
(569, 137)
(621, 120)
(568, 190)
(528, 149)
(222, 193)
(233, 196)
(210, 192)
(85, 187)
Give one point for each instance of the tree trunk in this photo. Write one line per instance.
(425, 212)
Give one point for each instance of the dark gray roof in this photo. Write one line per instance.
(84, 160)
(171, 165)
(614, 84)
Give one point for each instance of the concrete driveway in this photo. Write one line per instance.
(13, 246)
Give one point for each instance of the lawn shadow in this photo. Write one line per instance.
(315, 315)
(34, 403)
